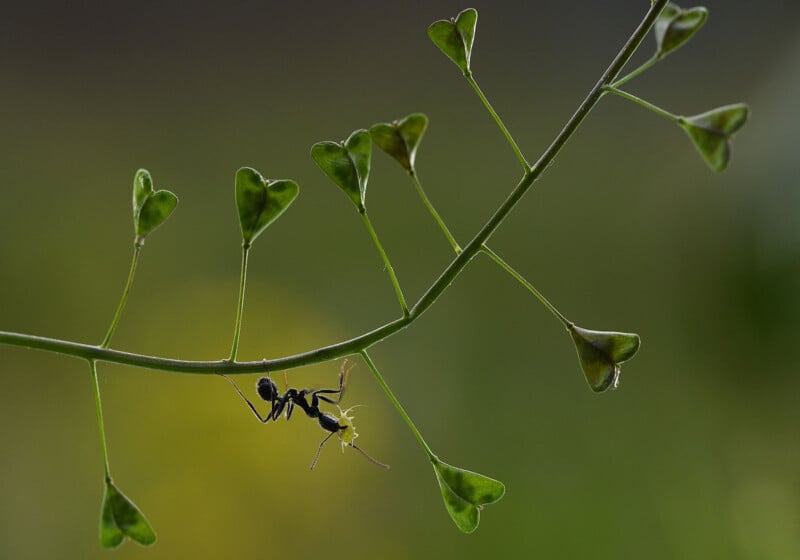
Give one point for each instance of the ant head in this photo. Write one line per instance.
(267, 389)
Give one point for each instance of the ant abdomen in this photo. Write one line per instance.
(329, 423)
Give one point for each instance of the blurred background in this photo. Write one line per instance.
(697, 454)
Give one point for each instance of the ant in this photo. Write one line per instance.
(342, 425)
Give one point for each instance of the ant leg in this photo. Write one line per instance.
(319, 449)
(319, 397)
(365, 454)
(280, 403)
(250, 404)
(289, 410)
(343, 375)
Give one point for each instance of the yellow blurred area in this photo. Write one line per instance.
(697, 454)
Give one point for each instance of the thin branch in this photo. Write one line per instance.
(100, 423)
(389, 268)
(520, 157)
(237, 330)
(646, 104)
(360, 343)
(137, 250)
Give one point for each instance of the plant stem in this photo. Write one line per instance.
(434, 213)
(137, 250)
(237, 329)
(366, 340)
(494, 256)
(317, 356)
(550, 307)
(431, 455)
(389, 268)
(646, 66)
(100, 424)
(594, 96)
(639, 101)
(525, 166)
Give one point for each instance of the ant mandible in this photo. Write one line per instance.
(342, 425)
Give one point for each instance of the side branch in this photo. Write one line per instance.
(361, 343)
(544, 161)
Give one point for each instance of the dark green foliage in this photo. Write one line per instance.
(120, 518)
(455, 37)
(260, 201)
(712, 131)
(347, 164)
(150, 208)
(400, 138)
(601, 353)
(675, 26)
(465, 493)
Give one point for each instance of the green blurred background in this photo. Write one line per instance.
(697, 455)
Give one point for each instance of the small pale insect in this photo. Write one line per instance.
(347, 430)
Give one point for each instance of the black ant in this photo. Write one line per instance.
(342, 425)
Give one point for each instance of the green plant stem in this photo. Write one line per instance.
(521, 279)
(366, 340)
(137, 250)
(431, 455)
(237, 329)
(525, 166)
(646, 66)
(646, 104)
(434, 213)
(100, 424)
(549, 155)
(494, 256)
(385, 257)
